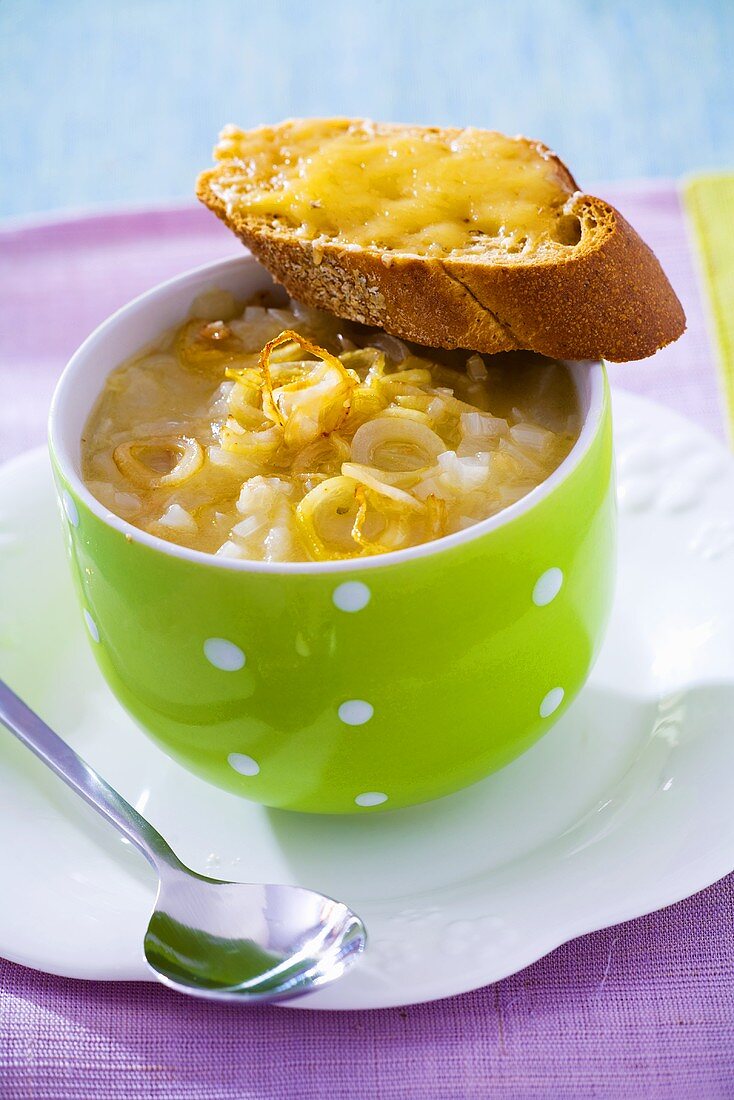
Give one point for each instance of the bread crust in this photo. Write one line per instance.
(606, 297)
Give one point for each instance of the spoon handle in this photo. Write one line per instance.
(69, 766)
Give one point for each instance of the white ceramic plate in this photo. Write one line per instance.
(624, 807)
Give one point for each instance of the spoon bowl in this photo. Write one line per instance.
(236, 941)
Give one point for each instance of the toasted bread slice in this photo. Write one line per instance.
(452, 238)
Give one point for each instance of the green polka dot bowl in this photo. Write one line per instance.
(341, 687)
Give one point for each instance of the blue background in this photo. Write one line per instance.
(105, 101)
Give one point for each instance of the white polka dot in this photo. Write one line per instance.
(355, 712)
(552, 702)
(351, 596)
(371, 798)
(70, 508)
(91, 626)
(243, 764)
(223, 654)
(547, 587)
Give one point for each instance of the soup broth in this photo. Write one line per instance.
(279, 433)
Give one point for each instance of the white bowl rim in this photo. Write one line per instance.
(589, 375)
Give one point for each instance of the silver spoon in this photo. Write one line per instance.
(230, 941)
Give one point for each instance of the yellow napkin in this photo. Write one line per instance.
(709, 200)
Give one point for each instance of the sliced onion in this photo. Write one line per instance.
(246, 393)
(376, 373)
(248, 527)
(260, 444)
(230, 549)
(463, 475)
(214, 305)
(391, 345)
(393, 526)
(531, 435)
(322, 457)
(245, 404)
(414, 376)
(437, 516)
(367, 402)
(366, 362)
(229, 463)
(373, 479)
(265, 495)
(279, 543)
(208, 347)
(256, 327)
(528, 463)
(475, 367)
(327, 515)
(479, 425)
(413, 401)
(313, 404)
(396, 443)
(187, 452)
(178, 519)
(396, 412)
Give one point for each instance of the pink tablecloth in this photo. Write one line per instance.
(646, 1008)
